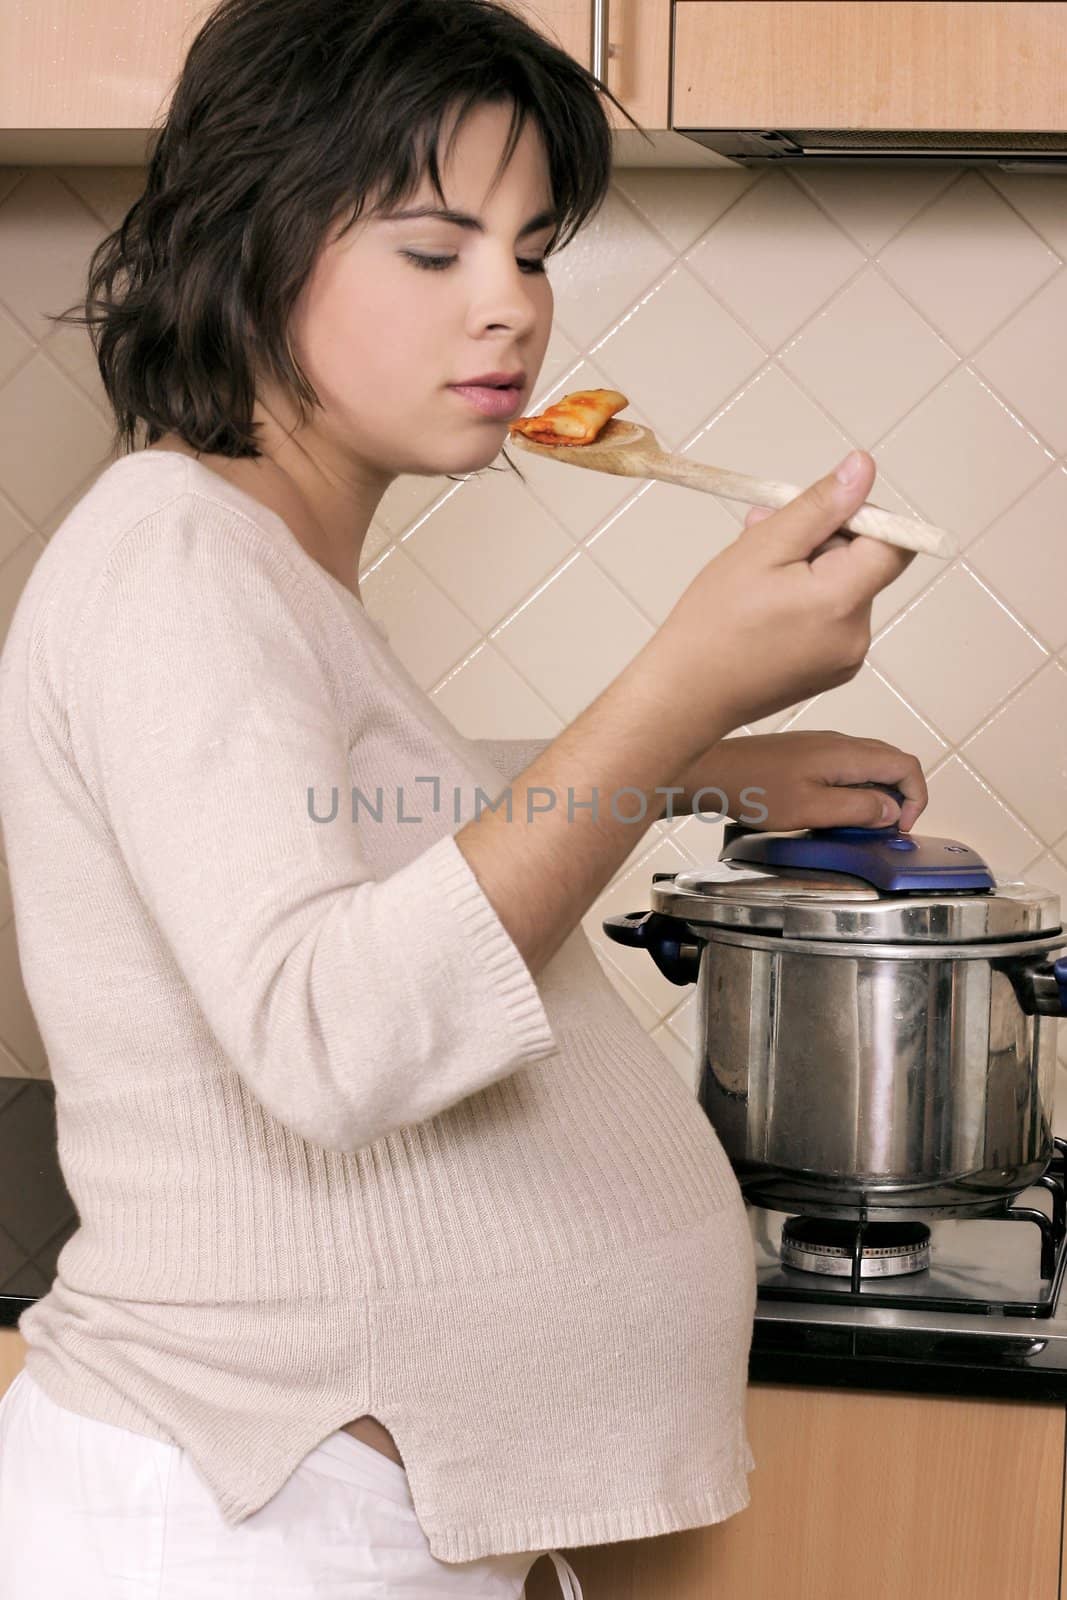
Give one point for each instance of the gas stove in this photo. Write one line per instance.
(956, 1305)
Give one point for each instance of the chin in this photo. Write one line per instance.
(472, 455)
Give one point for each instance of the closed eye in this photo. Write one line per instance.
(439, 263)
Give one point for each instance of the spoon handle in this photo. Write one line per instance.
(889, 526)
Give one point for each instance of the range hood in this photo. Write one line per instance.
(1013, 151)
(919, 83)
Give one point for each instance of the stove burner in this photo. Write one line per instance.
(994, 1283)
(887, 1249)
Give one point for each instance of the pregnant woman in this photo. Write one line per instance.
(403, 1255)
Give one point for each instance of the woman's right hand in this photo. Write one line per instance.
(773, 619)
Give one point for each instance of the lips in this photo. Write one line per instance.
(492, 380)
(494, 394)
(500, 404)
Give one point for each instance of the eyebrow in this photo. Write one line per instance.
(463, 219)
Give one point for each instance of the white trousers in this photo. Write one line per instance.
(89, 1511)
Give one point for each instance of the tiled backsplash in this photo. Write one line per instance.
(760, 321)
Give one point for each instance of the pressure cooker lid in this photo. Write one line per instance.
(782, 883)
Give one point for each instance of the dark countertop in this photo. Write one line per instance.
(818, 1357)
(37, 1216)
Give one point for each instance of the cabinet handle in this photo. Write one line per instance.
(600, 40)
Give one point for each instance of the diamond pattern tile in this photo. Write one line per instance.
(48, 525)
(763, 321)
(1022, 752)
(679, 1054)
(868, 357)
(771, 430)
(915, 578)
(407, 500)
(709, 355)
(655, 545)
(1023, 558)
(485, 698)
(9, 176)
(1025, 361)
(1039, 199)
(605, 270)
(645, 1013)
(16, 346)
(108, 192)
(424, 626)
(1049, 872)
(963, 806)
(550, 639)
(870, 702)
(71, 349)
(699, 835)
(561, 357)
(962, 457)
(956, 652)
(13, 529)
(871, 213)
(375, 544)
(774, 258)
(488, 545)
(680, 205)
(34, 281)
(683, 1022)
(968, 261)
(51, 436)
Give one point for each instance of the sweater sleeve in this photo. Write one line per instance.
(204, 720)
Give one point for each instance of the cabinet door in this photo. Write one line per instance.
(968, 64)
(568, 23)
(638, 49)
(12, 1355)
(97, 64)
(882, 1496)
(105, 64)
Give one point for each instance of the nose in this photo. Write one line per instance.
(509, 299)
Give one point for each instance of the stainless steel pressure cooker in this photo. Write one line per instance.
(873, 1018)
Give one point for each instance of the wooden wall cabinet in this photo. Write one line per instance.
(937, 64)
(856, 1496)
(108, 67)
(639, 39)
(93, 64)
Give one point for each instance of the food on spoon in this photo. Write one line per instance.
(576, 419)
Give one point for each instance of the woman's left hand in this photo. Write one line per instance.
(802, 780)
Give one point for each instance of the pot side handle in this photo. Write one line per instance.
(676, 956)
(1041, 985)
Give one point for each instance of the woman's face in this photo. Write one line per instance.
(385, 338)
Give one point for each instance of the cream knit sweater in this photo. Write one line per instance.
(333, 1150)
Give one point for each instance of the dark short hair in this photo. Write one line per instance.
(286, 114)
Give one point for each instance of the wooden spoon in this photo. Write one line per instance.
(631, 451)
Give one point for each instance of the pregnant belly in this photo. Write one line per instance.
(370, 1431)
